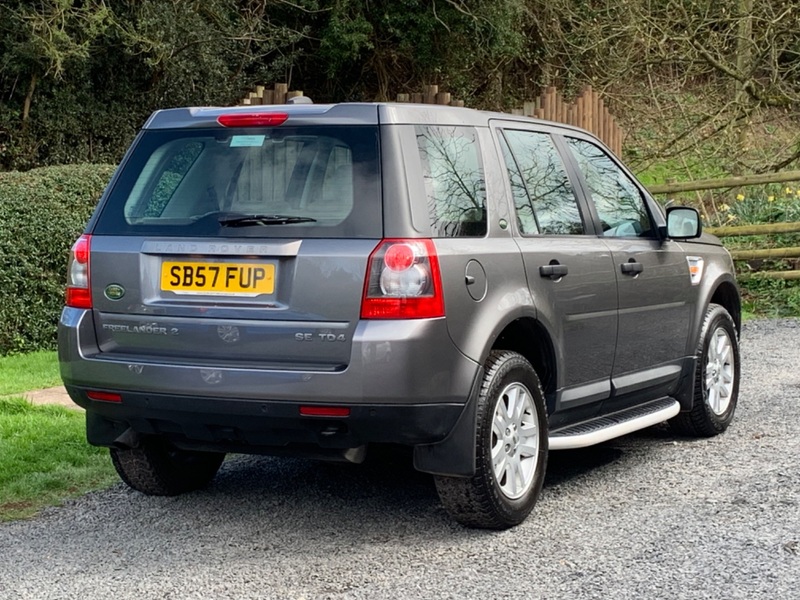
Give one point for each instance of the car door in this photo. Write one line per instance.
(570, 270)
(653, 278)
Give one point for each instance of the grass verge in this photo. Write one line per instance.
(23, 372)
(45, 459)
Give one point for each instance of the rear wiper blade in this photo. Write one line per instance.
(244, 220)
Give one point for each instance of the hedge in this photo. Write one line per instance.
(42, 212)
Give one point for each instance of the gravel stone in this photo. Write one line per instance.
(649, 515)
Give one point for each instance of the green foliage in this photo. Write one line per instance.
(44, 458)
(24, 372)
(43, 211)
(80, 78)
(771, 298)
(375, 49)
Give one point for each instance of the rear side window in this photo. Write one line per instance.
(454, 181)
(544, 199)
(185, 182)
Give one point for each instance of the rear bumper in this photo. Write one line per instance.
(406, 383)
(262, 427)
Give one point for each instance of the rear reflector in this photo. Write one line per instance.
(263, 119)
(104, 396)
(325, 411)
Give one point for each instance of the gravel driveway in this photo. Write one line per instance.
(645, 516)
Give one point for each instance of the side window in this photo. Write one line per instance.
(534, 164)
(619, 203)
(454, 180)
(182, 157)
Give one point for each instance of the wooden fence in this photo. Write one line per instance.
(588, 112)
(754, 257)
(279, 94)
(430, 95)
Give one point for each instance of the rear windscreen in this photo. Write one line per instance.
(276, 182)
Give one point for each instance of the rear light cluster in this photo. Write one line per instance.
(403, 281)
(79, 294)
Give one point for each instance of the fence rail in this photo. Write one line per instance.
(727, 182)
(765, 253)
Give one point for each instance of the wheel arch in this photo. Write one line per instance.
(529, 337)
(726, 294)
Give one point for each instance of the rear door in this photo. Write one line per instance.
(238, 246)
(655, 306)
(570, 271)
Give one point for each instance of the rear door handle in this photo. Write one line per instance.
(632, 268)
(553, 271)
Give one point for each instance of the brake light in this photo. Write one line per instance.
(262, 119)
(79, 294)
(403, 281)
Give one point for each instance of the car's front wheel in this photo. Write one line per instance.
(157, 468)
(510, 449)
(716, 379)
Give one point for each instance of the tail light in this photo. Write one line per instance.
(403, 281)
(79, 294)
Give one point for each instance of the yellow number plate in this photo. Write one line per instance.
(243, 279)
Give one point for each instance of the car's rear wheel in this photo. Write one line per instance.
(157, 468)
(510, 449)
(716, 378)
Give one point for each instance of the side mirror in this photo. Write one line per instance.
(683, 223)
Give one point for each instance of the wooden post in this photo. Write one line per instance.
(528, 109)
(280, 93)
(443, 98)
(429, 93)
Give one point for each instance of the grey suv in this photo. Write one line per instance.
(313, 279)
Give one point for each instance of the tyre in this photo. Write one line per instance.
(716, 387)
(510, 449)
(157, 468)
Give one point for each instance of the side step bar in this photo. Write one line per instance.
(614, 425)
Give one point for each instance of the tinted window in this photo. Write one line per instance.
(618, 201)
(454, 183)
(552, 202)
(182, 182)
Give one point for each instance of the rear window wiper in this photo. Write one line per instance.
(245, 220)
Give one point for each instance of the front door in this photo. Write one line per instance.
(652, 275)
